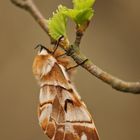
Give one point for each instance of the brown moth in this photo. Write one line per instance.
(62, 114)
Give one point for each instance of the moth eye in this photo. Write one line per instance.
(67, 101)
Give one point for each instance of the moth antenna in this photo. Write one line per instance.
(57, 44)
(42, 47)
(77, 65)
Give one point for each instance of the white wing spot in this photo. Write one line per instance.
(46, 94)
(84, 137)
(69, 128)
(48, 65)
(46, 113)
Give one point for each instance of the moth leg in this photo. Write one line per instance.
(57, 44)
(61, 55)
(77, 65)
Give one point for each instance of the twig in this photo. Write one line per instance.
(80, 32)
(133, 87)
(79, 36)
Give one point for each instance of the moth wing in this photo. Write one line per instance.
(63, 116)
(78, 124)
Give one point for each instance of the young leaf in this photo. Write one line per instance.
(80, 16)
(57, 24)
(83, 4)
(82, 11)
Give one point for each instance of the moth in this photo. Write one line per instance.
(62, 114)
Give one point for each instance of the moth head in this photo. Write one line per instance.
(42, 50)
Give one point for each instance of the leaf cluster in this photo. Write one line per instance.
(82, 12)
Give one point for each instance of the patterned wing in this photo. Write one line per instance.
(62, 115)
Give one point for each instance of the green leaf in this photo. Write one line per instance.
(57, 24)
(80, 16)
(83, 4)
(82, 11)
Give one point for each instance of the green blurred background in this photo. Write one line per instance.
(112, 42)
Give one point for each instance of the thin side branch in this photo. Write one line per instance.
(78, 38)
(133, 87)
(80, 32)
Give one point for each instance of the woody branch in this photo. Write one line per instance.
(118, 84)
